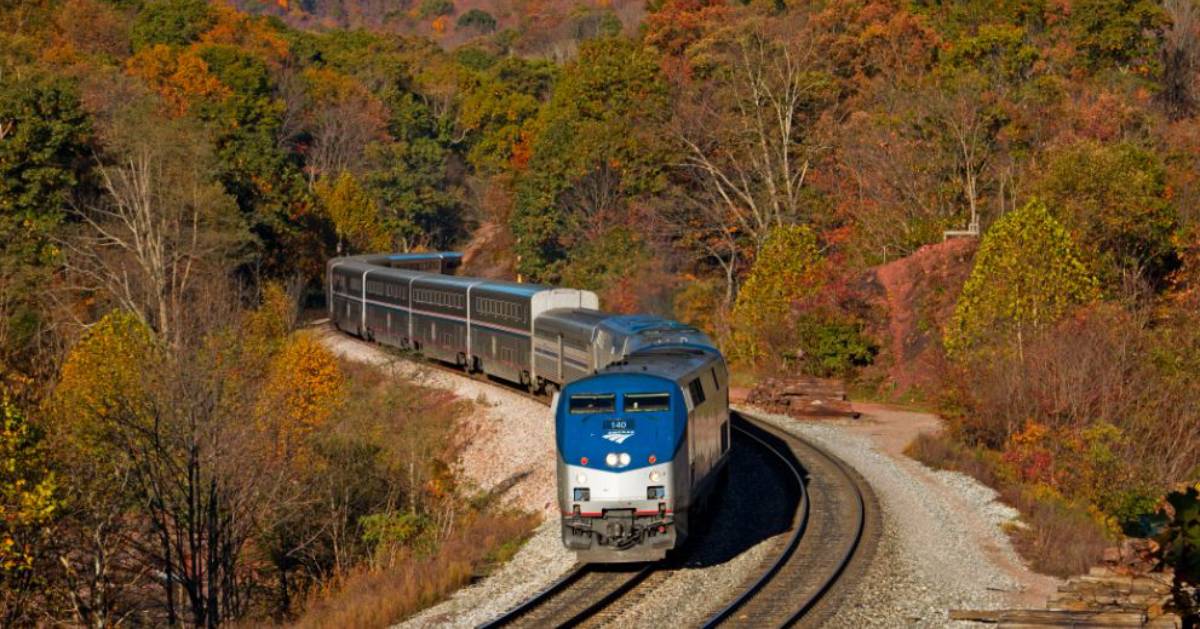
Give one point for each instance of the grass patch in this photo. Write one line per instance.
(383, 594)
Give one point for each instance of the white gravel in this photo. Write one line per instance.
(942, 545)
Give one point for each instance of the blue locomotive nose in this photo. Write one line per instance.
(619, 422)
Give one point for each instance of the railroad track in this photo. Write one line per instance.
(832, 532)
(833, 535)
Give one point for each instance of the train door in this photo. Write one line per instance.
(560, 359)
(602, 341)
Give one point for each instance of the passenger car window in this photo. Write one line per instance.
(592, 403)
(646, 402)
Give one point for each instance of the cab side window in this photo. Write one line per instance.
(697, 391)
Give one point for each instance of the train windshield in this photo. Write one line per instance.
(584, 403)
(647, 402)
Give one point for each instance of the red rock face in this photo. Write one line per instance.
(918, 294)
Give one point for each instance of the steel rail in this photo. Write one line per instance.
(574, 574)
(773, 570)
(793, 542)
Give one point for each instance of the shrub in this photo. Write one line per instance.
(1059, 538)
(1056, 536)
(833, 347)
(435, 8)
(477, 19)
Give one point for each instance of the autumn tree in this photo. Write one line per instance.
(156, 436)
(355, 215)
(29, 503)
(1028, 273)
(343, 118)
(303, 390)
(161, 225)
(750, 132)
(788, 268)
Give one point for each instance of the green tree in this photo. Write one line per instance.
(1114, 200)
(1117, 33)
(171, 22)
(1028, 274)
(44, 138)
(419, 204)
(598, 142)
(477, 19)
(789, 268)
(435, 8)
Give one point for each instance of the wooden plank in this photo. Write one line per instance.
(1052, 618)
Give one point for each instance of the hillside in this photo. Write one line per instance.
(175, 175)
(529, 27)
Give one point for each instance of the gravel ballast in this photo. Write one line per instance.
(942, 546)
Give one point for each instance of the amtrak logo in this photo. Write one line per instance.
(618, 437)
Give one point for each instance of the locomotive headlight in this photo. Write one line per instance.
(581, 479)
(611, 459)
(624, 459)
(655, 476)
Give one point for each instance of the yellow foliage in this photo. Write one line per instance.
(103, 377)
(354, 214)
(788, 269)
(268, 325)
(28, 491)
(305, 388)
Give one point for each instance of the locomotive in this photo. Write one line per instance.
(641, 403)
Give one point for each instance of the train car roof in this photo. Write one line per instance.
(674, 362)
(514, 289)
(574, 316)
(638, 323)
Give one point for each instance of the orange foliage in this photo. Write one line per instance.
(522, 151)
(439, 24)
(681, 23)
(250, 33)
(180, 77)
(873, 38)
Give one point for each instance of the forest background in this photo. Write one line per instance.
(173, 176)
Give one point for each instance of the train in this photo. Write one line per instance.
(641, 403)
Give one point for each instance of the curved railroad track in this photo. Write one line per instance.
(831, 535)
